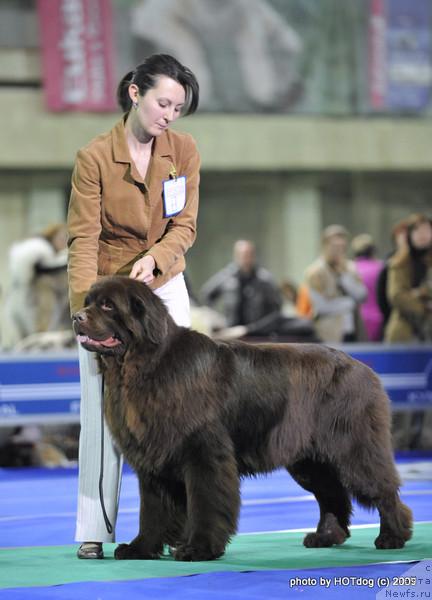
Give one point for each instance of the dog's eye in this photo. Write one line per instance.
(107, 305)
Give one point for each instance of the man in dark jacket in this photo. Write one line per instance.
(246, 291)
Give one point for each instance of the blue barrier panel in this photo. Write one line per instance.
(40, 388)
(44, 388)
(405, 371)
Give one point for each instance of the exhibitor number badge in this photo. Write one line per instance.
(174, 196)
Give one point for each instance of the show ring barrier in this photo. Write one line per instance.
(44, 388)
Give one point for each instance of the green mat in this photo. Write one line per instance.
(53, 565)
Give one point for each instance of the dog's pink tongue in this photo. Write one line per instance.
(109, 342)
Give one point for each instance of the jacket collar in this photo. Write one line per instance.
(161, 144)
(161, 153)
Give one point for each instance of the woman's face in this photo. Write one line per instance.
(421, 236)
(159, 106)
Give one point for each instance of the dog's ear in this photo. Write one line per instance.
(152, 315)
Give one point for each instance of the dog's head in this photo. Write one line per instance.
(120, 313)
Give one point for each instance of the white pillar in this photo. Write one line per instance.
(12, 210)
(302, 224)
(45, 207)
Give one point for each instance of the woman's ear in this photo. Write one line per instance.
(133, 92)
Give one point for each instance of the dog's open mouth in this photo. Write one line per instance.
(109, 342)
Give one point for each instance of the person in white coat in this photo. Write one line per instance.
(38, 293)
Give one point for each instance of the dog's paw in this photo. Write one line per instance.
(317, 540)
(190, 553)
(133, 552)
(329, 533)
(325, 540)
(388, 541)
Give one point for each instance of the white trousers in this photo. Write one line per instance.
(90, 526)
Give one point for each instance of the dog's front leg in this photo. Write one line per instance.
(148, 544)
(213, 503)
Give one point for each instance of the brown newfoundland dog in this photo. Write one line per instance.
(192, 416)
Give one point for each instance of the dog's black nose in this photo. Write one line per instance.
(79, 316)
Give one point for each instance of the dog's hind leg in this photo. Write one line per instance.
(334, 502)
(375, 483)
(360, 441)
(396, 522)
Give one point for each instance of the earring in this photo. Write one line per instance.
(135, 105)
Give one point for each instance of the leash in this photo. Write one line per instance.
(101, 497)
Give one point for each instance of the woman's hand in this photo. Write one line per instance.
(143, 269)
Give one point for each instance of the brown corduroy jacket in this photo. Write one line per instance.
(115, 216)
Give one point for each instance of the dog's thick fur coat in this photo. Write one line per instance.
(192, 416)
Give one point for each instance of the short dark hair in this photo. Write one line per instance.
(145, 76)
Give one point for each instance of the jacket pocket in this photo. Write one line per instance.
(109, 258)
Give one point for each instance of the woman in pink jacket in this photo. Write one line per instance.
(369, 268)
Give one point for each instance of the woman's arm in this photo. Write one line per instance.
(181, 230)
(84, 227)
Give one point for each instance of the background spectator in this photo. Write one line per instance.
(38, 294)
(246, 291)
(336, 290)
(409, 290)
(399, 241)
(409, 285)
(304, 303)
(369, 268)
(284, 325)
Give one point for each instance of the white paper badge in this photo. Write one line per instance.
(174, 196)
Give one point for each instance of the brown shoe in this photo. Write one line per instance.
(90, 550)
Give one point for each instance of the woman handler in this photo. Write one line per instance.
(132, 211)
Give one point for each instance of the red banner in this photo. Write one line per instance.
(77, 54)
(377, 53)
